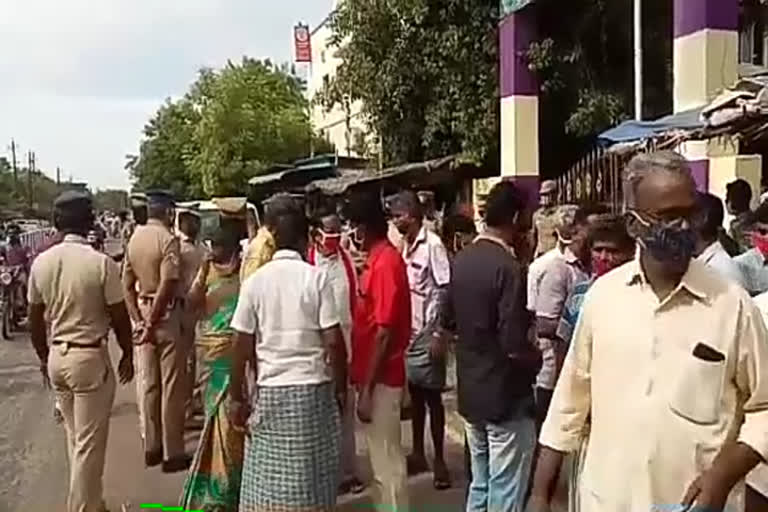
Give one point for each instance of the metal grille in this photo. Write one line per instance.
(596, 178)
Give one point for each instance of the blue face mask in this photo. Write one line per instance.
(667, 242)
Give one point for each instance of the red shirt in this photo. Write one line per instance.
(384, 299)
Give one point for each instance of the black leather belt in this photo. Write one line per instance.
(72, 344)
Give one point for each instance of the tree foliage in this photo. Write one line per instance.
(584, 62)
(231, 125)
(425, 72)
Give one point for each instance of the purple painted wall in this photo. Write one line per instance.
(516, 32)
(700, 173)
(694, 15)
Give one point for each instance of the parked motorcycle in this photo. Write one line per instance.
(12, 308)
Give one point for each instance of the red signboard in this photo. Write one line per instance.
(303, 43)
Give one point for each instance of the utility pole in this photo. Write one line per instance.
(58, 177)
(15, 169)
(638, 37)
(30, 172)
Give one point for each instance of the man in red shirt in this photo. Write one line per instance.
(380, 334)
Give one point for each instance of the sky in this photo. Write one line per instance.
(79, 78)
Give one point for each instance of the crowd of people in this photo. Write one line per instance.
(628, 345)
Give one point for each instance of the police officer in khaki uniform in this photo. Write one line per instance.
(139, 218)
(78, 289)
(153, 261)
(192, 254)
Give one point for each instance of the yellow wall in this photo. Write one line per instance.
(705, 63)
(520, 136)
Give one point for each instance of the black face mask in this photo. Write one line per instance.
(667, 242)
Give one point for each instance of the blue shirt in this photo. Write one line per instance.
(571, 310)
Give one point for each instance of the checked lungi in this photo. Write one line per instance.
(293, 454)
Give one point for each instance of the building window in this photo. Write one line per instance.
(753, 36)
(322, 56)
(326, 81)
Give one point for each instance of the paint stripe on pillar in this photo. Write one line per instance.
(516, 33)
(700, 173)
(694, 15)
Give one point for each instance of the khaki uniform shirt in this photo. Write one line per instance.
(192, 255)
(544, 220)
(76, 284)
(659, 414)
(153, 254)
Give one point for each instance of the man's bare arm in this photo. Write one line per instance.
(163, 297)
(242, 349)
(131, 297)
(38, 332)
(121, 323)
(337, 353)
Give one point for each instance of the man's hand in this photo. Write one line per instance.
(144, 335)
(706, 494)
(341, 398)
(438, 346)
(238, 413)
(125, 368)
(46, 377)
(365, 406)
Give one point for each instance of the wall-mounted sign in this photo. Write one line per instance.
(303, 43)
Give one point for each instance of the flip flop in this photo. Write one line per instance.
(441, 479)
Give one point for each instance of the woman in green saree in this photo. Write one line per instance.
(213, 483)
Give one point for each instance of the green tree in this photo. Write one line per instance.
(425, 72)
(232, 124)
(583, 60)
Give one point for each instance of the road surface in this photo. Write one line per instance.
(33, 474)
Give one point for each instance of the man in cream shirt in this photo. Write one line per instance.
(668, 362)
(757, 480)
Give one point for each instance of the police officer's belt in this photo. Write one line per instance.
(72, 344)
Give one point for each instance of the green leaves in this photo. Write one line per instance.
(425, 72)
(231, 125)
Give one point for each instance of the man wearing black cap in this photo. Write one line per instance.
(153, 261)
(78, 290)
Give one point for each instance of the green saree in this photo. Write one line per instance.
(213, 483)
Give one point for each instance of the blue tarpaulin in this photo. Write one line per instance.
(510, 6)
(632, 131)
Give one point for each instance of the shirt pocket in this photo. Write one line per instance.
(698, 389)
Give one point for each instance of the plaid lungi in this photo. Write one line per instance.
(293, 454)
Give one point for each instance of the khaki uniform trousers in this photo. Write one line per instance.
(390, 477)
(84, 383)
(161, 370)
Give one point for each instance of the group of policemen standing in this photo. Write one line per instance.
(77, 295)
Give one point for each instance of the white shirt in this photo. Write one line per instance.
(428, 270)
(536, 271)
(758, 478)
(659, 414)
(285, 304)
(337, 276)
(716, 257)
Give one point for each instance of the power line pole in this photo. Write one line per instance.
(15, 169)
(30, 170)
(58, 177)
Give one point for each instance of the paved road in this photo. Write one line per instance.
(33, 473)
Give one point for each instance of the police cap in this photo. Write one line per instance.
(72, 199)
(160, 198)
